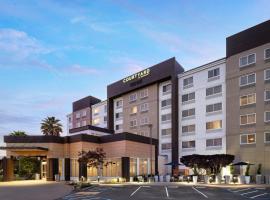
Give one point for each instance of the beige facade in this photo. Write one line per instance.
(141, 111)
(249, 148)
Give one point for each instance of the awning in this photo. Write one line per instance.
(22, 148)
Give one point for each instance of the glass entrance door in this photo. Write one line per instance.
(43, 169)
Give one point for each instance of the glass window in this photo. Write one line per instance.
(217, 142)
(213, 90)
(247, 99)
(133, 123)
(166, 132)
(188, 97)
(166, 103)
(134, 110)
(166, 117)
(213, 73)
(247, 60)
(167, 88)
(267, 137)
(188, 113)
(188, 144)
(248, 119)
(267, 74)
(133, 167)
(119, 103)
(144, 93)
(267, 116)
(188, 82)
(214, 125)
(144, 107)
(105, 108)
(144, 120)
(248, 138)
(133, 97)
(247, 79)
(213, 107)
(105, 118)
(267, 95)
(118, 115)
(267, 53)
(188, 128)
(118, 127)
(166, 146)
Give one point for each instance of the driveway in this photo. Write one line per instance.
(33, 190)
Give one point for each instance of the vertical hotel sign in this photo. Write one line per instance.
(137, 76)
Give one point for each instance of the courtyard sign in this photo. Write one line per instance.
(138, 75)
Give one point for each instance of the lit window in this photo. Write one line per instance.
(214, 125)
(267, 74)
(247, 79)
(267, 137)
(134, 109)
(248, 138)
(213, 73)
(96, 111)
(96, 121)
(188, 97)
(247, 99)
(248, 119)
(213, 107)
(217, 142)
(267, 116)
(133, 97)
(188, 113)
(214, 90)
(188, 144)
(267, 54)
(247, 60)
(188, 129)
(267, 95)
(188, 82)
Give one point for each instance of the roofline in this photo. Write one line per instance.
(203, 67)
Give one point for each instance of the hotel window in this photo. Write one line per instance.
(118, 127)
(267, 74)
(166, 103)
(118, 116)
(267, 137)
(188, 144)
(248, 119)
(119, 104)
(166, 88)
(217, 142)
(144, 107)
(247, 79)
(96, 121)
(188, 113)
(267, 54)
(248, 138)
(214, 125)
(213, 73)
(213, 107)
(188, 129)
(166, 146)
(133, 110)
(247, 60)
(84, 113)
(133, 97)
(144, 133)
(78, 124)
(144, 93)
(188, 97)
(166, 132)
(144, 121)
(105, 118)
(213, 90)
(166, 117)
(84, 123)
(267, 95)
(133, 123)
(247, 99)
(188, 82)
(267, 116)
(96, 111)
(78, 115)
(105, 108)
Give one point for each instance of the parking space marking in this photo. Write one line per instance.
(167, 193)
(259, 195)
(242, 190)
(135, 191)
(200, 192)
(249, 192)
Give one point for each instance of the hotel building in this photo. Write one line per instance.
(162, 113)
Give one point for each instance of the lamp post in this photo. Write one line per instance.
(151, 141)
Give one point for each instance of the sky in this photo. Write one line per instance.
(53, 52)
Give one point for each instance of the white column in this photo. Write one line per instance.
(148, 166)
(138, 166)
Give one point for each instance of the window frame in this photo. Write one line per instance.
(266, 79)
(242, 66)
(144, 91)
(213, 142)
(214, 111)
(246, 75)
(133, 120)
(265, 58)
(188, 95)
(265, 137)
(166, 92)
(189, 141)
(133, 100)
(247, 119)
(265, 116)
(213, 87)
(214, 129)
(246, 134)
(188, 113)
(246, 95)
(189, 85)
(265, 95)
(213, 77)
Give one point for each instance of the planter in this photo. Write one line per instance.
(168, 178)
(247, 179)
(218, 179)
(131, 179)
(156, 178)
(258, 179)
(161, 178)
(37, 176)
(181, 178)
(227, 179)
(242, 179)
(206, 179)
(195, 179)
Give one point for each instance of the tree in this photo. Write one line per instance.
(18, 133)
(28, 167)
(93, 158)
(51, 126)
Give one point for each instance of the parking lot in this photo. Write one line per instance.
(123, 192)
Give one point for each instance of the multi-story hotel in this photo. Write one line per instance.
(162, 113)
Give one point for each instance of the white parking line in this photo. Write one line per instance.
(200, 192)
(259, 195)
(135, 191)
(241, 190)
(249, 192)
(167, 193)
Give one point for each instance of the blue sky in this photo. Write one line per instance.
(53, 52)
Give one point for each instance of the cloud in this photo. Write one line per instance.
(15, 118)
(76, 20)
(80, 70)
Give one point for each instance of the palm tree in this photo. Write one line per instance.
(51, 126)
(18, 133)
